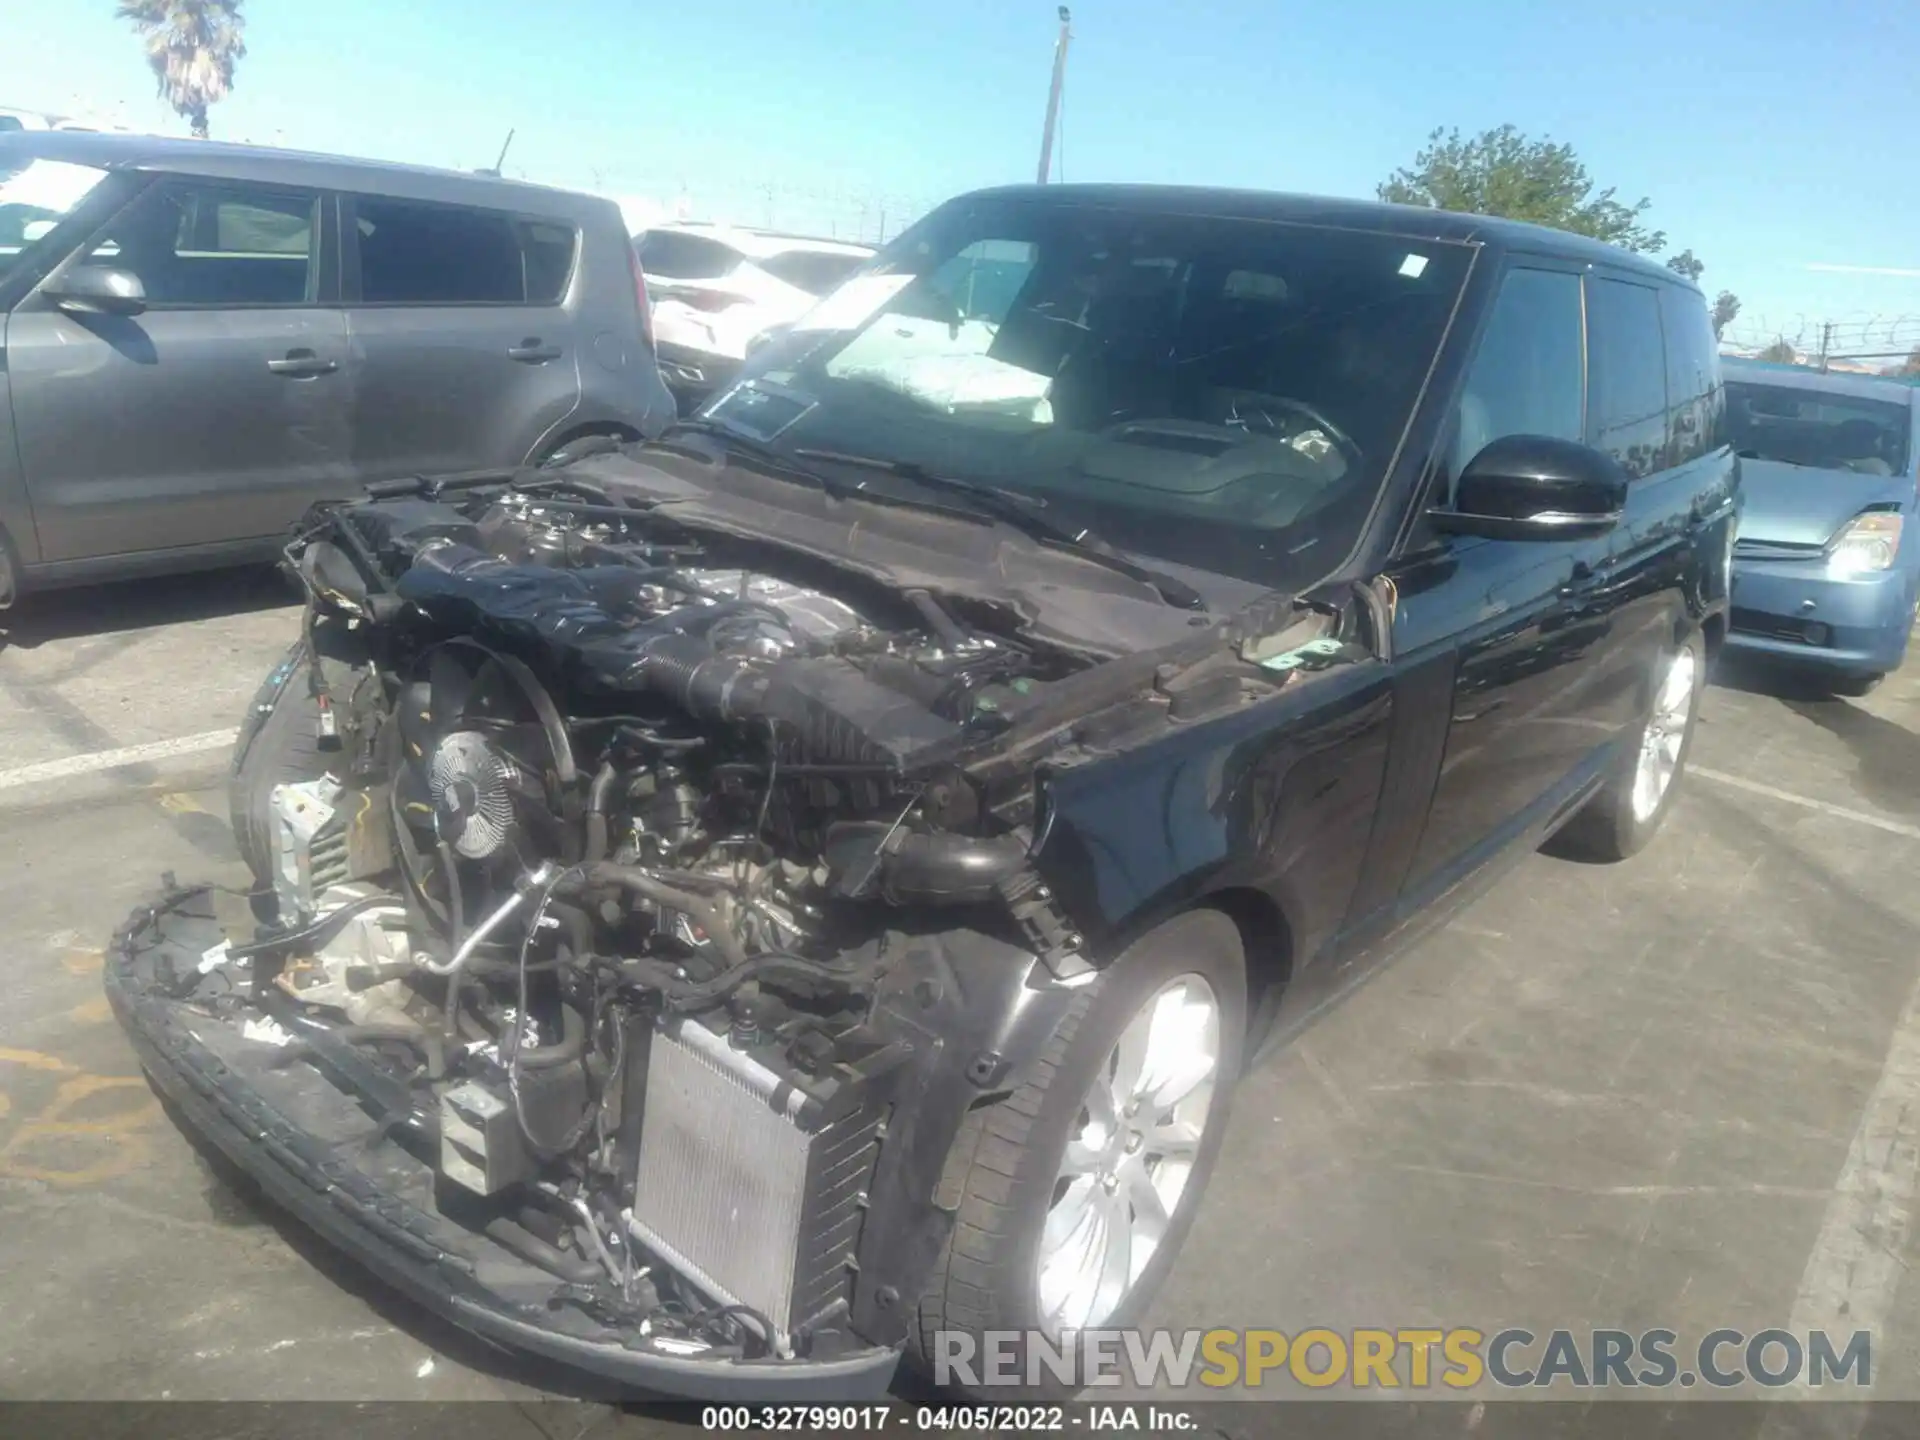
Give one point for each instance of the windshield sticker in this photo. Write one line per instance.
(1414, 266)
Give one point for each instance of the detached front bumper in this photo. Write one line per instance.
(1792, 610)
(324, 1158)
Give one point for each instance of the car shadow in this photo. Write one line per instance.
(1756, 675)
(141, 604)
(1886, 753)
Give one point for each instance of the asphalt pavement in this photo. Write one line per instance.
(1680, 1092)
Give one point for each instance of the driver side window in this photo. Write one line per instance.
(1528, 376)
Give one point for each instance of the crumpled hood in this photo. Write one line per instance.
(1794, 505)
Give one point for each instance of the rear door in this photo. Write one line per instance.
(463, 352)
(218, 414)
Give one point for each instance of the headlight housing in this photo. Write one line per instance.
(1866, 544)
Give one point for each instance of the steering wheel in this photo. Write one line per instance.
(1244, 416)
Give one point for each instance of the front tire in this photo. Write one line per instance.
(1629, 810)
(1075, 1192)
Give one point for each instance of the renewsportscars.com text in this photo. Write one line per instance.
(1415, 1359)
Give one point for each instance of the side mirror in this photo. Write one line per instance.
(97, 290)
(1534, 487)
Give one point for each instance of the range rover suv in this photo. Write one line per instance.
(754, 906)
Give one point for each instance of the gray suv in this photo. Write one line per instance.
(201, 340)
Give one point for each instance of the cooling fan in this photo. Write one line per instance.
(473, 772)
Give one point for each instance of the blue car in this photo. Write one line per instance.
(1826, 562)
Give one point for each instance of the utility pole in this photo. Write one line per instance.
(1053, 96)
(1826, 344)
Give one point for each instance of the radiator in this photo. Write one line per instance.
(732, 1192)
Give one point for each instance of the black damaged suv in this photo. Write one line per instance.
(735, 908)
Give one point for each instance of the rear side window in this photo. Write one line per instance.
(437, 255)
(1695, 399)
(813, 271)
(673, 255)
(549, 248)
(1626, 375)
(1526, 376)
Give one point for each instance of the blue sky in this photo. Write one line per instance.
(1770, 136)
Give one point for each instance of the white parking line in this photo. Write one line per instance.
(114, 759)
(1879, 822)
(1858, 1260)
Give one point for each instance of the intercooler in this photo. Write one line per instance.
(737, 1195)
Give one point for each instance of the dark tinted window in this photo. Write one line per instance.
(437, 255)
(213, 243)
(672, 255)
(1696, 404)
(1626, 374)
(1820, 431)
(1526, 375)
(549, 251)
(11, 122)
(811, 270)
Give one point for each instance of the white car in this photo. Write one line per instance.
(716, 288)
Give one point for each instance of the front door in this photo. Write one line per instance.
(215, 416)
(1520, 626)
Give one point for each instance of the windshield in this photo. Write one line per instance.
(1816, 430)
(1223, 394)
(35, 195)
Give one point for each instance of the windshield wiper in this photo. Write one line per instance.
(778, 462)
(1019, 511)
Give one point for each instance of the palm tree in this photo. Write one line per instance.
(192, 46)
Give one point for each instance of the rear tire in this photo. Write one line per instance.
(1611, 826)
(1006, 1166)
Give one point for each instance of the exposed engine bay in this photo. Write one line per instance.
(666, 909)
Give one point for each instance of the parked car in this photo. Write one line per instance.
(752, 904)
(718, 288)
(202, 340)
(1825, 569)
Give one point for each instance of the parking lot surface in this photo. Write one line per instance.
(1683, 1092)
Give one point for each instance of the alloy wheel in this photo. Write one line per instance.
(1130, 1155)
(1666, 732)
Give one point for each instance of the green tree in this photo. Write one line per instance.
(1780, 352)
(192, 47)
(1503, 172)
(1726, 305)
(1688, 264)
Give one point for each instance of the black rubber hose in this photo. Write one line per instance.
(597, 793)
(695, 994)
(644, 884)
(938, 620)
(572, 1046)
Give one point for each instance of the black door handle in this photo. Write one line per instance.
(302, 365)
(531, 352)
